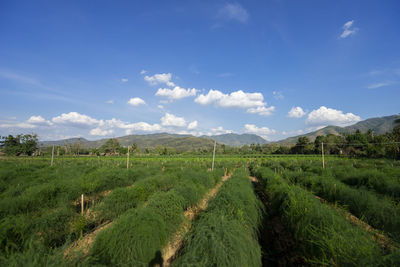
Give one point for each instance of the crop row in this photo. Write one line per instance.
(137, 237)
(226, 234)
(379, 212)
(323, 234)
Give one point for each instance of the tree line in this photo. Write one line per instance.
(355, 144)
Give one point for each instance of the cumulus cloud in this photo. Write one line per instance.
(296, 112)
(160, 106)
(219, 130)
(328, 116)
(192, 125)
(142, 72)
(39, 120)
(101, 132)
(262, 131)
(75, 119)
(253, 102)
(234, 11)
(348, 29)
(172, 120)
(238, 99)
(160, 78)
(176, 93)
(124, 80)
(263, 111)
(141, 127)
(136, 101)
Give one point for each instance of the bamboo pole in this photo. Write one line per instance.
(127, 159)
(82, 207)
(212, 166)
(52, 156)
(323, 160)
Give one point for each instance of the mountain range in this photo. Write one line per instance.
(181, 143)
(378, 125)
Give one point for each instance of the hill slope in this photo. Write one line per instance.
(378, 125)
(233, 139)
(179, 142)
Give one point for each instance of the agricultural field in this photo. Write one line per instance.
(176, 211)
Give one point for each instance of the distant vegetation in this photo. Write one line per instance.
(19, 144)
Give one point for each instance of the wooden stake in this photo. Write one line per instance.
(323, 160)
(52, 156)
(212, 166)
(82, 204)
(82, 211)
(127, 159)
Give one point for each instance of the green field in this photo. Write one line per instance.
(292, 213)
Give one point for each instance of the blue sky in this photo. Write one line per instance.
(276, 68)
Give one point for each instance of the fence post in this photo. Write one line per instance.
(52, 156)
(212, 166)
(127, 159)
(323, 160)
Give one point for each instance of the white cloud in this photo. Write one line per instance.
(74, 118)
(172, 120)
(160, 106)
(124, 80)
(278, 95)
(141, 127)
(39, 120)
(110, 101)
(234, 11)
(328, 116)
(348, 29)
(238, 99)
(261, 131)
(192, 125)
(253, 102)
(263, 111)
(296, 112)
(100, 132)
(138, 126)
(142, 72)
(17, 125)
(161, 78)
(176, 93)
(219, 130)
(378, 85)
(136, 101)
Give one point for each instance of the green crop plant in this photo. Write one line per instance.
(323, 234)
(138, 235)
(226, 233)
(381, 213)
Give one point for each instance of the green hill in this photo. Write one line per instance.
(179, 142)
(233, 139)
(378, 125)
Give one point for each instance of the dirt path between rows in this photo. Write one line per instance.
(376, 235)
(169, 252)
(83, 245)
(279, 247)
